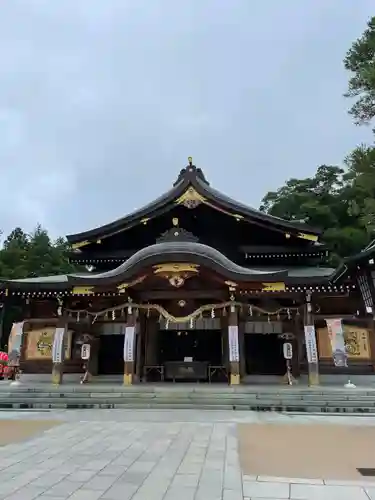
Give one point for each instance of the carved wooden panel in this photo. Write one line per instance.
(357, 341)
(39, 344)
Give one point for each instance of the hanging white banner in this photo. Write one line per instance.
(15, 337)
(311, 347)
(129, 343)
(234, 352)
(58, 345)
(336, 336)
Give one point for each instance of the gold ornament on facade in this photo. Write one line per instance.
(83, 290)
(79, 244)
(306, 236)
(357, 342)
(39, 343)
(190, 199)
(273, 287)
(176, 280)
(44, 344)
(231, 284)
(176, 274)
(122, 287)
(352, 344)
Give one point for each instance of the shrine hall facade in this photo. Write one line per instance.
(196, 286)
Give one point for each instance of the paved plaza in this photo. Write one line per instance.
(161, 455)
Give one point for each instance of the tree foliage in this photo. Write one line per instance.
(340, 201)
(324, 201)
(29, 255)
(360, 61)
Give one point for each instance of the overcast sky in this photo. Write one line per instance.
(102, 101)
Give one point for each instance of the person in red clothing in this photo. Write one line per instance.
(3, 364)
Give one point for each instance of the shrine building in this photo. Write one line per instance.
(196, 286)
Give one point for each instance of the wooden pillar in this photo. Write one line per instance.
(234, 347)
(241, 333)
(224, 344)
(311, 344)
(139, 341)
(371, 329)
(129, 348)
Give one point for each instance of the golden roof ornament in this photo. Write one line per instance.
(190, 198)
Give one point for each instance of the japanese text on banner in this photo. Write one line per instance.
(311, 347)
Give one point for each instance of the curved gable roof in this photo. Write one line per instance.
(177, 252)
(191, 177)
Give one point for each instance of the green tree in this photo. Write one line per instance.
(13, 256)
(311, 200)
(360, 61)
(340, 202)
(30, 255)
(324, 201)
(361, 179)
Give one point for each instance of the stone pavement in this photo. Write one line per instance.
(153, 455)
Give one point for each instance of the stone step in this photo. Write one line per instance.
(172, 405)
(285, 399)
(93, 398)
(182, 389)
(79, 390)
(225, 398)
(93, 401)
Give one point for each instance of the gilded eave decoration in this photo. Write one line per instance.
(83, 290)
(308, 236)
(79, 244)
(122, 287)
(191, 198)
(176, 274)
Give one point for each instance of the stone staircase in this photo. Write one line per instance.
(186, 396)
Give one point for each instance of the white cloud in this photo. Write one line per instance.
(105, 100)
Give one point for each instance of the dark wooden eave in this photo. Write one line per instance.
(178, 252)
(311, 250)
(112, 256)
(249, 251)
(354, 262)
(191, 177)
(364, 256)
(203, 256)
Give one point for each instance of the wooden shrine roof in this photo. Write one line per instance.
(191, 182)
(175, 255)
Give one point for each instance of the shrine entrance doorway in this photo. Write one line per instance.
(111, 355)
(264, 354)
